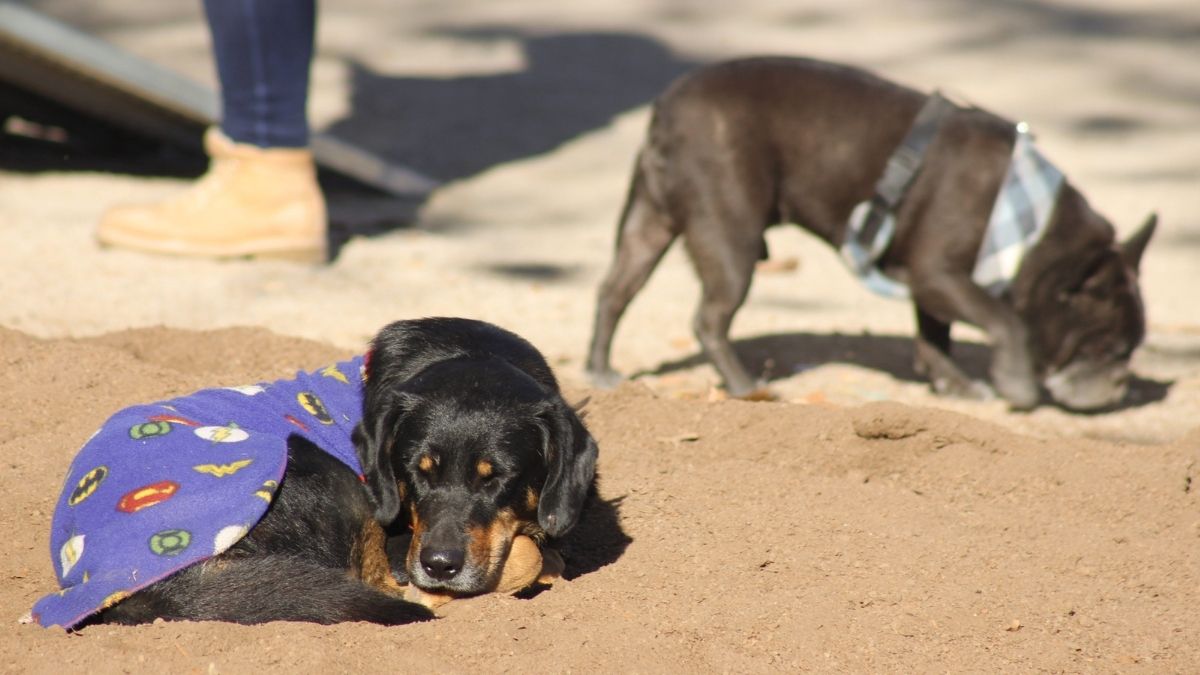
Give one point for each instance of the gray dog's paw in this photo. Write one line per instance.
(1021, 393)
(604, 379)
(970, 390)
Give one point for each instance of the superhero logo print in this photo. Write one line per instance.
(295, 421)
(158, 425)
(176, 419)
(332, 371)
(230, 433)
(267, 491)
(87, 485)
(70, 553)
(114, 598)
(170, 542)
(149, 430)
(223, 470)
(147, 495)
(228, 536)
(310, 402)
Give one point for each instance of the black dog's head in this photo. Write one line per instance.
(466, 437)
(1088, 320)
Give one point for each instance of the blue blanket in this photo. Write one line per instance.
(164, 486)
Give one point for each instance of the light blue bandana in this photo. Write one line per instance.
(1019, 217)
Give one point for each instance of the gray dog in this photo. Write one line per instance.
(949, 205)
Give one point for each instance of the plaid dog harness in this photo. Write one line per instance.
(1019, 215)
(165, 486)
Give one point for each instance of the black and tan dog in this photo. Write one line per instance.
(740, 146)
(466, 439)
(464, 436)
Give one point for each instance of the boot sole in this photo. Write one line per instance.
(270, 248)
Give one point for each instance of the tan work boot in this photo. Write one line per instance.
(252, 202)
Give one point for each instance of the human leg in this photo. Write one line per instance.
(260, 196)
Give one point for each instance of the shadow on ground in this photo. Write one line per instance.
(598, 540)
(777, 357)
(445, 128)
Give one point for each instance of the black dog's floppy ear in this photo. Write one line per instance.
(570, 453)
(374, 440)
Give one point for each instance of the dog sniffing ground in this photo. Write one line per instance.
(859, 524)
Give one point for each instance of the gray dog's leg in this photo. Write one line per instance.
(1012, 369)
(642, 239)
(932, 360)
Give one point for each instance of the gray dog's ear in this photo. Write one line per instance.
(570, 453)
(1133, 247)
(375, 440)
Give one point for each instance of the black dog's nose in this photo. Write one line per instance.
(442, 564)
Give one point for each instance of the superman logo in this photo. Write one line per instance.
(147, 495)
(222, 470)
(87, 485)
(314, 406)
(174, 418)
(295, 421)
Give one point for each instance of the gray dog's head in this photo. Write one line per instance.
(1088, 323)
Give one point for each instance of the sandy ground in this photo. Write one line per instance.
(859, 524)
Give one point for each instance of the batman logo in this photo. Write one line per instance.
(114, 598)
(313, 405)
(87, 485)
(222, 470)
(267, 491)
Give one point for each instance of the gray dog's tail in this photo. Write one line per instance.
(646, 186)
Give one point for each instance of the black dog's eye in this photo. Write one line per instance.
(426, 464)
(488, 474)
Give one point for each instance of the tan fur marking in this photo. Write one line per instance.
(371, 553)
(484, 468)
(425, 463)
(531, 500)
(414, 546)
(490, 544)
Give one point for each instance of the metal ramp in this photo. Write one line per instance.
(71, 68)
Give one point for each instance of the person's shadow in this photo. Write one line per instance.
(453, 128)
(445, 128)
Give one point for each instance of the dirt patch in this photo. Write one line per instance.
(728, 536)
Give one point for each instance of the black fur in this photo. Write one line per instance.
(294, 565)
(467, 440)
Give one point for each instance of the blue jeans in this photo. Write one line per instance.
(263, 51)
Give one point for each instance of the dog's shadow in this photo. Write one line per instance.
(779, 356)
(597, 540)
